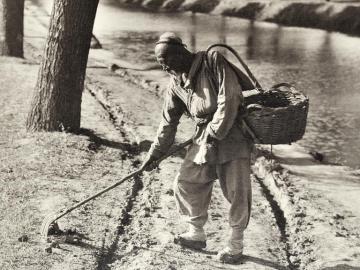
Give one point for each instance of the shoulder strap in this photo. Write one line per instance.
(213, 81)
(253, 81)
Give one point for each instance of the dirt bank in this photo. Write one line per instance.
(341, 17)
(320, 203)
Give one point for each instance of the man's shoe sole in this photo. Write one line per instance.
(189, 243)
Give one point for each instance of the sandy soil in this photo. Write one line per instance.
(299, 220)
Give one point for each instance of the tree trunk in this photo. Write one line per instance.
(11, 27)
(57, 101)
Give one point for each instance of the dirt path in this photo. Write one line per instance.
(128, 228)
(148, 239)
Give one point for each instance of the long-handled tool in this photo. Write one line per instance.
(49, 222)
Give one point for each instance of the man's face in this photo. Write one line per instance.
(169, 58)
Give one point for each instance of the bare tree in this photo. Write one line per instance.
(11, 27)
(57, 100)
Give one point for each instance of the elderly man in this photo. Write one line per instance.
(211, 95)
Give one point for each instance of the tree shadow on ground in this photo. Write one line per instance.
(305, 161)
(246, 258)
(82, 242)
(134, 149)
(145, 145)
(341, 267)
(203, 251)
(86, 245)
(260, 261)
(93, 137)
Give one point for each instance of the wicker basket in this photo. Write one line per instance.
(277, 116)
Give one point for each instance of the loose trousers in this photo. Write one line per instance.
(193, 186)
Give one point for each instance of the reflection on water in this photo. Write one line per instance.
(326, 66)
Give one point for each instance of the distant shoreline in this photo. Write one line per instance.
(341, 17)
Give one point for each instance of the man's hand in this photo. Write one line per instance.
(149, 163)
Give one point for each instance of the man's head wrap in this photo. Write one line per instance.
(170, 38)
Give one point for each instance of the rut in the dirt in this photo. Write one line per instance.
(106, 254)
(280, 221)
(116, 115)
(275, 181)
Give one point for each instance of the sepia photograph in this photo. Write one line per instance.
(179, 135)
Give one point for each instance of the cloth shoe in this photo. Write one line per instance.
(195, 238)
(229, 256)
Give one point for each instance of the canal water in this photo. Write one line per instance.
(324, 65)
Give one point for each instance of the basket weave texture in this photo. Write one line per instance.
(277, 116)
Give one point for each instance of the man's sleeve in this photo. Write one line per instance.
(173, 108)
(228, 100)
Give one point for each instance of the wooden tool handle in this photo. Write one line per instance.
(133, 174)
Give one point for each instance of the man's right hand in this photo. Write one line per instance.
(149, 163)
